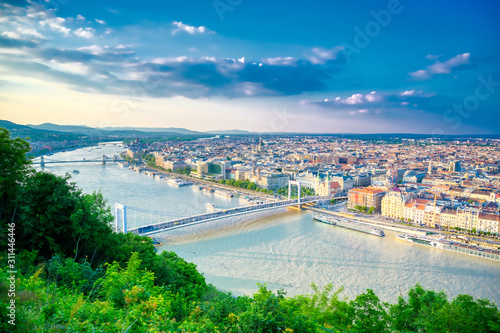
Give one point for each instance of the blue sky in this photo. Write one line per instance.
(282, 66)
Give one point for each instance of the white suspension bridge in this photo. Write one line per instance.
(181, 222)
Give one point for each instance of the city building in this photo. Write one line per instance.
(393, 203)
(362, 179)
(454, 166)
(365, 197)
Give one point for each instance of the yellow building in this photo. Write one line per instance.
(467, 218)
(393, 203)
(448, 218)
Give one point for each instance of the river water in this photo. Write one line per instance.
(285, 249)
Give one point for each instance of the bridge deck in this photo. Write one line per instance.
(192, 220)
(80, 161)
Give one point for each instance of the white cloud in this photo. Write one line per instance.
(180, 59)
(359, 111)
(354, 99)
(23, 34)
(70, 67)
(366, 103)
(373, 97)
(279, 61)
(100, 21)
(11, 35)
(321, 55)
(94, 49)
(408, 93)
(188, 28)
(84, 32)
(33, 13)
(80, 17)
(433, 56)
(30, 32)
(57, 24)
(444, 67)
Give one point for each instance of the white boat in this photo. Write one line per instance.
(178, 182)
(210, 207)
(123, 164)
(422, 240)
(345, 223)
(225, 194)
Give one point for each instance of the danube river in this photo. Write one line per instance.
(286, 249)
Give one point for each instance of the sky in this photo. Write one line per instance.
(367, 66)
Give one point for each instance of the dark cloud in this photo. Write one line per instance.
(15, 43)
(289, 80)
(231, 78)
(83, 56)
(65, 55)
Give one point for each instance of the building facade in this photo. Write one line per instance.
(366, 196)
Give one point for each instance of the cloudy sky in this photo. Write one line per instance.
(283, 66)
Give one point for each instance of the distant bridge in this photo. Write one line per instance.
(101, 160)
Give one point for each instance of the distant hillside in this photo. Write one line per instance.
(119, 132)
(34, 134)
(154, 129)
(70, 132)
(70, 129)
(232, 132)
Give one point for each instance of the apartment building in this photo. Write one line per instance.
(366, 196)
(393, 203)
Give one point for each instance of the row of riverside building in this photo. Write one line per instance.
(423, 207)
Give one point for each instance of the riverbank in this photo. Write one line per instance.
(239, 190)
(372, 222)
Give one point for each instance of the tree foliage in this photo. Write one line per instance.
(14, 167)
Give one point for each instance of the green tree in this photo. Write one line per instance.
(273, 313)
(14, 167)
(54, 217)
(368, 313)
(43, 221)
(326, 308)
(419, 313)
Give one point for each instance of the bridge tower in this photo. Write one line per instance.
(42, 162)
(290, 183)
(103, 159)
(121, 213)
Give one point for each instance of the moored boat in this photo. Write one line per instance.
(447, 245)
(344, 223)
(422, 240)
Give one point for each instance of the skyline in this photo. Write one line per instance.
(383, 67)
